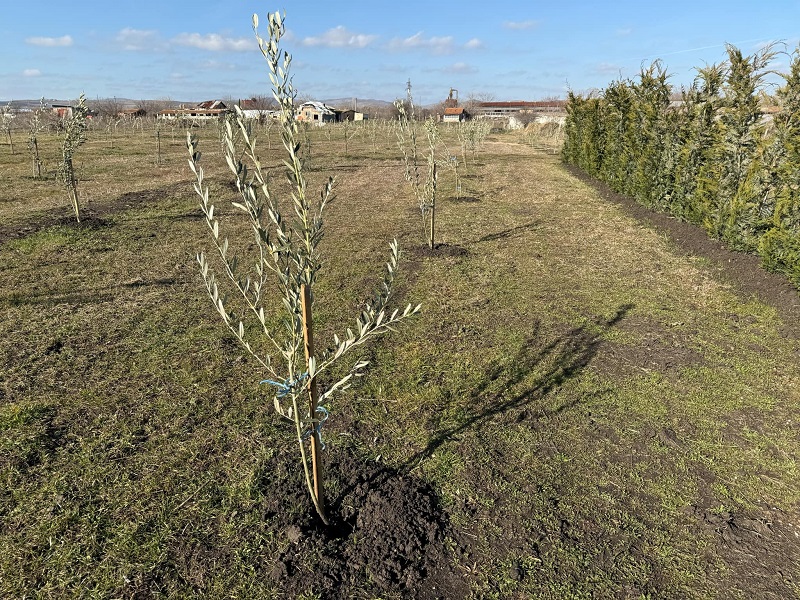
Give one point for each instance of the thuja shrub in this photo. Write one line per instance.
(698, 136)
(270, 308)
(584, 130)
(649, 135)
(617, 158)
(779, 247)
(733, 217)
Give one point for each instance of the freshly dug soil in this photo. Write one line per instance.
(387, 528)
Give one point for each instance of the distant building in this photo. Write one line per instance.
(352, 115)
(455, 114)
(132, 113)
(504, 110)
(65, 111)
(210, 109)
(255, 109)
(316, 113)
(212, 105)
(62, 111)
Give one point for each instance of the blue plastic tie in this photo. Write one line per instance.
(287, 385)
(318, 427)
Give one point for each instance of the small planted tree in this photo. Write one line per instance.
(424, 191)
(270, 312)
(35, 125)
(472, 134)
(6, 121)
(74, 137)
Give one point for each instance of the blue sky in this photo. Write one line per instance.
(523, 50)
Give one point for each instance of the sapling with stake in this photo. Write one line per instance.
(424, 192)
(74, 136)
(6, 121)
(286, 266)
(35, 125)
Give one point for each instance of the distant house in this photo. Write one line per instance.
(62, 111)
(132, 113)
(316, 113)
(454, 114)
(65, 111)
(352, 115)
(254, 109)
(212, 105)
(210, 109)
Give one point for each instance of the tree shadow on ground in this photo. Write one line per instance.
(553, 364)
(507, 233)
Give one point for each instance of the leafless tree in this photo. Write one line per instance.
(107, 107)
(475, 98)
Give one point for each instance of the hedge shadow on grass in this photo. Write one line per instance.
(560, 360)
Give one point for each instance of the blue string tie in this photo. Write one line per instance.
(318, 427)
(286, 386)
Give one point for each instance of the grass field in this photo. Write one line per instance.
(592, 411)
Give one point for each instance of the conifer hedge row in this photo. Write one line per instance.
(713, 159)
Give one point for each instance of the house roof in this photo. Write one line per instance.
(319, 106)
(212, 104)
(251, 104)
(524, 104)
(455, 110)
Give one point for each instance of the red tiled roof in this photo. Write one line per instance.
(454, 111)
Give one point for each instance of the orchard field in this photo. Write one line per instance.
(592, 403)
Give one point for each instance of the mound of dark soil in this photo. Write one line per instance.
(387, 528)
(437, 250)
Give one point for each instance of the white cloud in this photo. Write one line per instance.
(340, 37)
(214, 42)
(31, 73)
(606, 68)
(473, 44)
(216, 65)
(521, 25)
(439, 45)
(460, 67)
(138, 39)
(50, 42)
(624, 32)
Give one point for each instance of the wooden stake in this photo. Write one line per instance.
(313, 399)
(433, 207)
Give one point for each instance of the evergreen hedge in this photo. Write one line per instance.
(713, 159)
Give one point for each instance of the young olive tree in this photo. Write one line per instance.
(6, 122)
(74, 137)
(35, 125)
(287, 261)
(424, 191)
